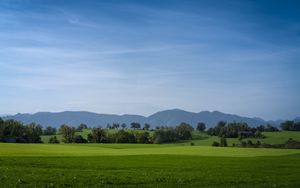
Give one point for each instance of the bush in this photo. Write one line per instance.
(223, 142)
(215, 143)
(292, 144)
(97, 135)
(80, 139)
(53, 140)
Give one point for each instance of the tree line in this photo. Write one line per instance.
(289, 144)
(99, 135)
(237, 130)
(14, 131)
(290, 126)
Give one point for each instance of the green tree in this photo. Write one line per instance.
(143, 137)
(97, 135)
(79, 139)
(33, 133)
(81, 127)
(287, 125)
(49, 131)
(115, 125)
(165, 136)
(124, 137)
(201, 126)
(146, 126)
(135, 125)
(68, 133)
(223, 142)
(53, 140)
(258, 134)
(215, 143)
(184, 131)
(12, 131)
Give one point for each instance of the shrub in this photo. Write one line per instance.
(53, 140)
(215, 143)
(80, 139)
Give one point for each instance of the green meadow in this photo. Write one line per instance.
(138, 165)
(150, 165)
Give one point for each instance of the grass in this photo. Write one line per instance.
(150, 171)
(138, 165)
(73, 150)
(150, 165)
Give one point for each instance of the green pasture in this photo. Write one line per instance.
(150, 171)
(151, 165)
(134, 149)
(141, 165)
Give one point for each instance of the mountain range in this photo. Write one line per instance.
(163, 118)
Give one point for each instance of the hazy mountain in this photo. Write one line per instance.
(74, 118)
(166, 118)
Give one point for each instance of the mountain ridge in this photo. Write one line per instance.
(169, 117)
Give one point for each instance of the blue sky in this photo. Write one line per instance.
(240, 57)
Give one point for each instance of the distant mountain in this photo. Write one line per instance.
(166, 118)
(74, 118)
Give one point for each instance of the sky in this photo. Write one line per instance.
(140, 57)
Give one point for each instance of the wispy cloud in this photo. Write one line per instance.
(136, 56)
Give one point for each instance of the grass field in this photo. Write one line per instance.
(138, 165)
(150, 165)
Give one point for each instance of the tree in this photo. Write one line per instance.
(135, 125)
(270, 128)
(258, 134)
(287, 125)
(81, 127)
(232, 130)
(97, 135)
(143, 137)
(49, 131)
(215, 143)
(165, 136)
(123, 125)
(33, 133)
(53, 140)
(223, 142)
(184, 131)
(124, 137)
(146, 126)
(79, 139)
(297, 126)
(115, 125)
(68, 133)
(12, 131)
(201, 126)
(290, 126)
